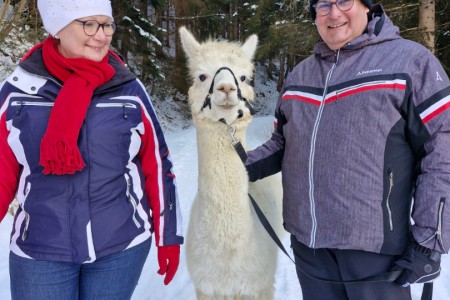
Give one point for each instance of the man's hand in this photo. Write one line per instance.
(419, 265)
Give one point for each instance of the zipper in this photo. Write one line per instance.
(127, 104)
(124, 106)
(125, 115)
(27, 215)
(312, 154)
(27, 222)
(438, 233)
(31, 103)
(388, 205)
(439, 227)
(170, 208)
(21, 104)
(132, 202)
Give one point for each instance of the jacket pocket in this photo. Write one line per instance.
(32, 103)
(27, 223)
(27, 215)
(168, 213)
(132, 200)
(20, 104)
(388, 199)
(126, 106)
(439, 227)
(438, 233)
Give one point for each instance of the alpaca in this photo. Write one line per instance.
(228, 252)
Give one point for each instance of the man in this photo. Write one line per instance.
(362, 137)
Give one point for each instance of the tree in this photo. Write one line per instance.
(20, 29)
(136, 40)
(10, 13)
(287, 35)
(442, 44)
(406, 14)
(427, 11)
(158, 9)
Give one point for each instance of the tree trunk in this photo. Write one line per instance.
(181, 9)
(178, 72)
(145, 72)
(427, 23)
(270, 68)
(282, 70)
(158, 19)
(168, 3)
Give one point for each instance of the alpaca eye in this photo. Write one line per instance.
(243, 78)
(202, 77)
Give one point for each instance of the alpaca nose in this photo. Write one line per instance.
(226, 87)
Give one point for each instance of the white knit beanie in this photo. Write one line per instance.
(57, 14)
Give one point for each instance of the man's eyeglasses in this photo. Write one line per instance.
(323, 8)
(91, 27)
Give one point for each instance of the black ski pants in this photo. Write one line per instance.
(344, 265)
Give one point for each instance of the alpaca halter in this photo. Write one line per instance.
(236, 143)
(207, 102)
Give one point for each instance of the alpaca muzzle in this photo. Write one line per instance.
(207, 102)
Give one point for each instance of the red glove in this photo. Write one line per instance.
(168, 260)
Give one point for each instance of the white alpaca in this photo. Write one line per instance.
(228, 252)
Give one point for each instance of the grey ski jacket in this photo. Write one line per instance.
(363, 143)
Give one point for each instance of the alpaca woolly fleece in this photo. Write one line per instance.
(57, 14)
(229, 255)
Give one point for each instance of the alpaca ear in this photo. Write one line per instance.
(249, 46)
(188, 41)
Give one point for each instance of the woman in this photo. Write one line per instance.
(82, 151)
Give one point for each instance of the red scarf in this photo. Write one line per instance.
(59, 150)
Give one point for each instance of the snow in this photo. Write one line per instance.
(182, 144)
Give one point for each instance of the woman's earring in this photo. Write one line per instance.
(56, 37)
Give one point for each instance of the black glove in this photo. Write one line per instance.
(419, 265)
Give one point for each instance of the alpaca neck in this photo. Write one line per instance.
(215, 144)
(220, 167)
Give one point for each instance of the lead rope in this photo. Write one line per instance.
(385, 277)
(237, 145)
(427, 291)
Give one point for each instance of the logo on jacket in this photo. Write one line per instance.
(438, 77)
(369, 72)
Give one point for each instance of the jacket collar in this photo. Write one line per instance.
(35, 65)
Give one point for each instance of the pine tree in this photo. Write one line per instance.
(10, 13)
(287, 35)
(135, 38)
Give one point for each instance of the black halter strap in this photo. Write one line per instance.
(207, 102)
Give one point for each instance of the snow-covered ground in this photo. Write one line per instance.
(183, 147)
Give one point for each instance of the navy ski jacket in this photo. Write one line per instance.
(125, 192)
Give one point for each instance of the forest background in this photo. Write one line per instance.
(147, 38)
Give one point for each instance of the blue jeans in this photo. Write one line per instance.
(113, 277)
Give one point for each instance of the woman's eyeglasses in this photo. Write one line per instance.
(91, 27)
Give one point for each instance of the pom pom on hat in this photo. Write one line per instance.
(57, 14)
(312, 10)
